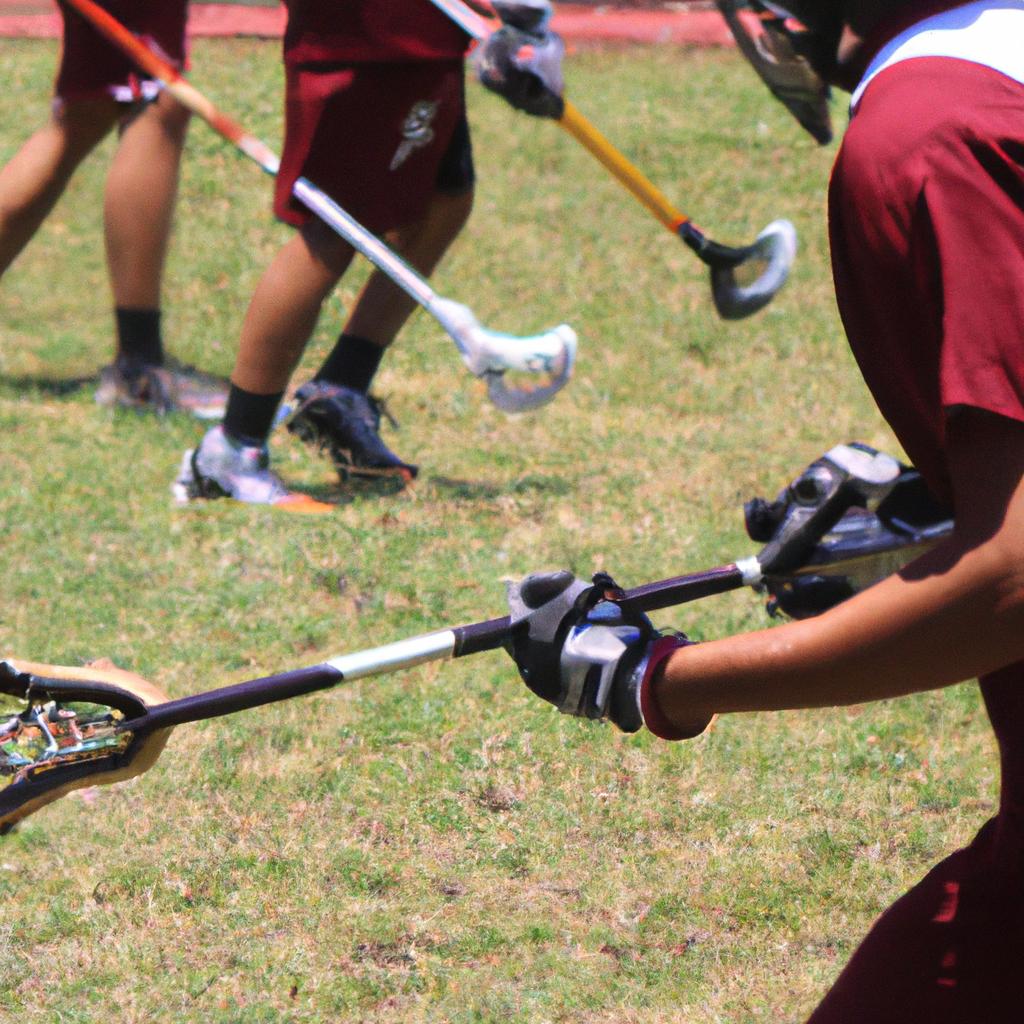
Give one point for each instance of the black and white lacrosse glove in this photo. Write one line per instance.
(522, 61)
(581, 647)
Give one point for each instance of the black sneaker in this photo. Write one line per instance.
(345, 423)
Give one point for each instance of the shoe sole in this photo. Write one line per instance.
(341, 458)
(190, 487)
(347, 468)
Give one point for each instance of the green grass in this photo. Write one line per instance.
(438, 845)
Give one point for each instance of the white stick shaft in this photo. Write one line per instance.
(466, 18)
(379, 254)
(397, 656)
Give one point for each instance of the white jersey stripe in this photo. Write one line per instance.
(988, 32)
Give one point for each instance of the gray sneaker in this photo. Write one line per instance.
(223, 468)
(346, 424)
(171, 387)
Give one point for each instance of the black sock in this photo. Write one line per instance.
(138, 336)
(249, 418)
(352, 363)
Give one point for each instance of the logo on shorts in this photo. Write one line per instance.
(416, 131)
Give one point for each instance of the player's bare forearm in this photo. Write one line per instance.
(951, 615)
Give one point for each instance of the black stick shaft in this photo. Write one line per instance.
(452, 643)
(226, 700)
(485, 636)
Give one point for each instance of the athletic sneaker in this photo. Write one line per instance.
(346, 424)
(162, 389)
(224, 468)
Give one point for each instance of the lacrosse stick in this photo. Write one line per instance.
(488, 354)
(63, 728)
(772, 251)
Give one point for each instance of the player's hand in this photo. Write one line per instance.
(525, 68)
(582, 648)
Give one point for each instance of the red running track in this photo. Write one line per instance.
(578, 24)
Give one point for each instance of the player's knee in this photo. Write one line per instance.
(173, 117)
(325, 246)
(454, 209)
(81, 124)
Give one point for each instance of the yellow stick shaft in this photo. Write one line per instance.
(591, 139)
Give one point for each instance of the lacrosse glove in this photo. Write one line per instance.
(583, 648)
(522, 61)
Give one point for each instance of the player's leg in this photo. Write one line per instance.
(233, 460)
(382, 307)
(285, 307)
(138, 206)
(433, 159)
(138, 209)
(36, 176)
(335, 409)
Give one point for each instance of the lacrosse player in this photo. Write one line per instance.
(926, 216)
(98, 89)
(375, 117)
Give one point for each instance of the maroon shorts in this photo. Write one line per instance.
(948, 952)
(379, 139)
(926, 217)
(92, 68)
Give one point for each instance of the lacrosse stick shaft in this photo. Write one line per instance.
(484, 352)
(582, 129)
(441, 645)
(307, 193)
(775, 246)
(595, 142)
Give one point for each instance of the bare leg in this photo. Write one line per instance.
(33, 181)
(344, 419)
(138, 212)
(139, 203)
(285, 307)
(383, 308)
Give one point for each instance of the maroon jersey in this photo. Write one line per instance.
(926, 223)
(377, 31)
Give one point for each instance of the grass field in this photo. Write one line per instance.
(438, 845)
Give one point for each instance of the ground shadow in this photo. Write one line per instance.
(353, 489)
(477, 490)
(59, 387)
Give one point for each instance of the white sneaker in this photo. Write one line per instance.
(223, 468)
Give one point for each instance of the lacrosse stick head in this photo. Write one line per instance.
(845, 523)
(544, 361)
(776, 48)
(845, 476)
(744, 280)
(525, 15)
(60, 731)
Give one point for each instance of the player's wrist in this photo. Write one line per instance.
(665, 724)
